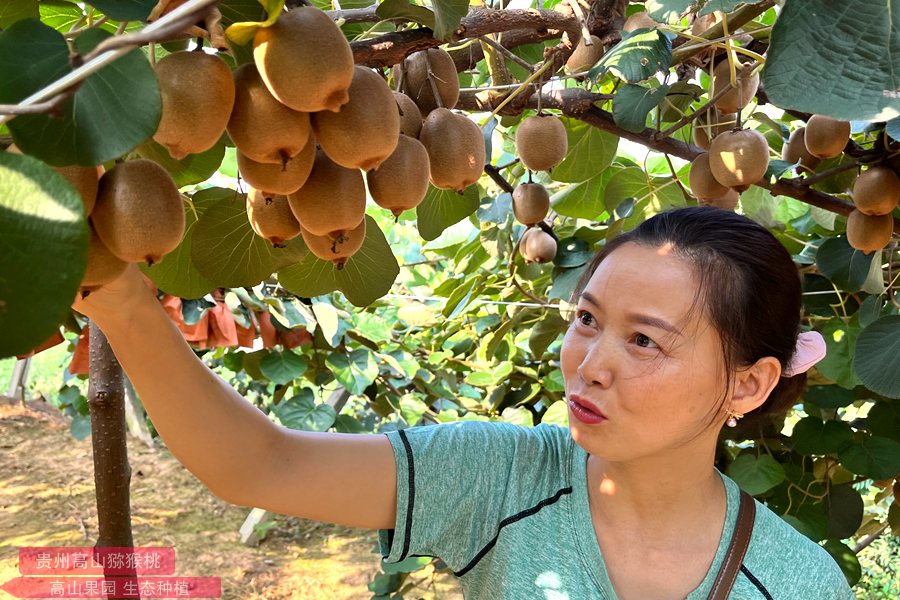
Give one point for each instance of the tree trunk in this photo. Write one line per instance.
(112, 473)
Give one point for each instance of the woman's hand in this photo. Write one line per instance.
(114, 300)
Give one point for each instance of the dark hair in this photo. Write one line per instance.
(749, 287)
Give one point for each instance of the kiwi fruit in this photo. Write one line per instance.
(541, 142)
(270, 217)
(263, 128)
(102, 265)
(702, 23)
(415, 84)
(401, 182)
(727, 201)
(712, 124)
(336, 250)
(703, 184)
(536, 245)
(83, 179)
(305, 60)
(584, 57)
(738, 97)
(738, 159)
(333, 199)
(639, 20)
(139, 213)
(275, 178)
(410, 115)
(530, 202)
(795, 150)
(826, 137)
(455, 149)
(197, 98)
(868, 233)
(876, 191)
(364, 132)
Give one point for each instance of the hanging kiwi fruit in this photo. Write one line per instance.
(728, 201)
(102, 265)
(541, 142)
(271, 217)
(401, 182)
(531, 203)
(584, 57)
(414, 81)
(410, 115)
(455, 149)
(336, 250)
(738, 159)
(536, 245)
(876, 191)
(869, 233)
(795, 150)
(333, 199)
(703, 184)
(826, 137)
(740, 95)
(276, 178)
(711, 124)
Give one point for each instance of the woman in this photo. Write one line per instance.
(690, 320)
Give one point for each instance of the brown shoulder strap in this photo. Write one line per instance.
(740, 540)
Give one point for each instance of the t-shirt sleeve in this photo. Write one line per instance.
(457, 481)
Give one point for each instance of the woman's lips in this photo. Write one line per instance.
(581, 401)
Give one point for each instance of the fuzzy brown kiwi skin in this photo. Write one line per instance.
(102, 265)
(455, 149)
(727, 201)
(738, 159)
(795, 150)
(738, 97)
(536, 245)
(584, 57)
(710, 125)
(541, 142)
(869, 233)
(336, 250)
(415, 82)
(84, 179)
(271, 218)
(826, 137)
(876, 191)
(275, 178)
(410, 115)
(703, 184)
(333, 199)
(531, 202)
(401, 182)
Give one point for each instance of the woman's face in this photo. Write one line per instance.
(638, 353)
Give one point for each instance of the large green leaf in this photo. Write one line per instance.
(125, 10)
(844, 265)
(584, 200)
(724, 5)
(876, 457)
(114, 110)
(226, 251)
(829, 396)
(847, 50)
(590, 151)
(884, 420)
(641, 54)
(16, 10)
(302, 412)
(632, 103)
(846, 559)
(403, 9)
(840, 340)
(756, 475)
(355, 371)
(60, 15)
(877, 358)
(43, 251)
(194, 168)
(283, 367)
(633, 182)
(310, 277)
(447, 15)
(176, 274)
(811, 435)
(844, 507)
(442, 208)
(667, 10)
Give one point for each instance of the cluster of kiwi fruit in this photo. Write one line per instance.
(309, 139)
(876, 193)
(736, 158)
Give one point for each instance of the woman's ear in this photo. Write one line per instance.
(753, 385)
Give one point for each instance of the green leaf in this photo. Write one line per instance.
(283, 367)
(16, 10)
(829, 396)
(756, 475)
(403, 9)
(801, 58)
(884, 420)
(583, 200)
(632, 182)
(447, 15)
(547, 330)
(678, 99)
(125, 10)
(846, 559)
(641, 54)
(724, 5)
(355, 371)
(877, 359)
(442, 208)
(43, 251)
(666, 11)
(369, 274)
(844, 265)
(572, 252)
(225, 250)
(115, 109)
(840, 339)
(195, 168)
(412, 409)
(176, 274)
(80, 427)
(590, 151)
(632, 103)
(811, 435)
(310, 277)
(564, 283)
(875, 457)
(844, 507)
(517, 415)
(348, 424)
(557, 414)
(301, 412)
(59, 15)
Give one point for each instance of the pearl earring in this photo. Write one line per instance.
(732, 419)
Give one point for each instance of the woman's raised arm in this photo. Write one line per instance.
(227, 443)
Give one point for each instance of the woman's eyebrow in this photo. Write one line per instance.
(638, 318)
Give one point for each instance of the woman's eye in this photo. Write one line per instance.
(584, 317)
(643, 341)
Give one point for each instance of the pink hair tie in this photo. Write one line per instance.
(810, 350)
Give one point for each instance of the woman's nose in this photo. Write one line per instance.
(595, 367)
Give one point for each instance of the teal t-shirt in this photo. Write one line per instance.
(506, 508)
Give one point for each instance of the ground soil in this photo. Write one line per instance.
(47, 499)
